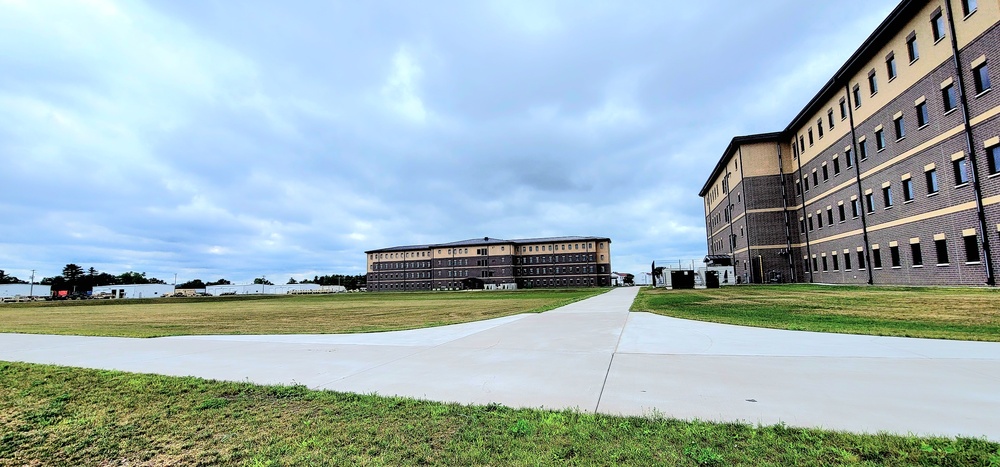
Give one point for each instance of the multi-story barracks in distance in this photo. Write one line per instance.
(889, 175)
(492, 263)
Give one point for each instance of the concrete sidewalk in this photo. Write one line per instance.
(596, 356)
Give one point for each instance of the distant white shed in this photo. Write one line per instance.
(134, 290)
(24, 290)
(249, 289)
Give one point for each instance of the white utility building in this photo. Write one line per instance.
(259, 289)
(24, 290)
(134, 290)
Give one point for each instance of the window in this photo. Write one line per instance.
(836, 263)
(916, 254)
(805, 182)
(843, 109)
(981, 75)
(890, 66)
(829, 118)
(819, 220)
(826, 173)
(798, 188)
(815, 178)
(819, 128)
(810, 132)
(937, 26)
(911, 47)
(824, 263)
(900, 128)
(863, 149)
(961, 177)
(848, 158)
(907, 190)
(872, 82)
(857, 96)
(840, 211)
(968, 7)
(948, 98)
(932, 184)
(802, 144)
(894, 255)
(855, 208)
(879, 139)
(887, 196)
(836, 165)
(870, 202)
(861, 259)
(922, 119)
(941, 247)
(993, 157)
(847, 260)
(810, 223)
(876, 257)
(971, 248)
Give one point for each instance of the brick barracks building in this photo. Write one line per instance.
(889, 175)
(492, 263)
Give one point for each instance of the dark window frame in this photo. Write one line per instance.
(981, 78)
(916, 255)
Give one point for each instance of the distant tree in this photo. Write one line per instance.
(72, 272)
(629, 279)
(105, 279)
(132, 277)
(195, 284)
(5, 279)
(291, 280)
(261, 280)
(91, 272)
(219, 282)
(54, 281)
(350, 282)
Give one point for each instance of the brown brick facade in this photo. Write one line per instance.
(901, 223)
(490, 262)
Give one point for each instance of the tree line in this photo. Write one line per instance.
(76, 278)
(350, 282)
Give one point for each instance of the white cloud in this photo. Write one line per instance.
(401, 90)
(197, 138)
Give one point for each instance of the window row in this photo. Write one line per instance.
(899, 130)
(557, 270)
(560, 247)
(980, 74)
(971, 251)
(400, 275)
(960, 171)
(402, 265)
(557, 259)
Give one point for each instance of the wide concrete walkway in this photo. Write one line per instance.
(596, 356)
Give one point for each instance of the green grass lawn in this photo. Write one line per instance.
(288, 314)
(930, 312)
(53, 415)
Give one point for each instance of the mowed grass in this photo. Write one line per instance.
(291, 314)
(929, 312)
(53, 415)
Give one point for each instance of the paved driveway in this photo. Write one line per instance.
(596, 356)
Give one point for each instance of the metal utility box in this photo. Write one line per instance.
(682, 279)
(711, 279)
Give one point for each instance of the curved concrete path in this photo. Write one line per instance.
(596, 356)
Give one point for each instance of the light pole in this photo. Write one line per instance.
(31, 286)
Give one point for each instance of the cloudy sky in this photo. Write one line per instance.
(286, 138)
